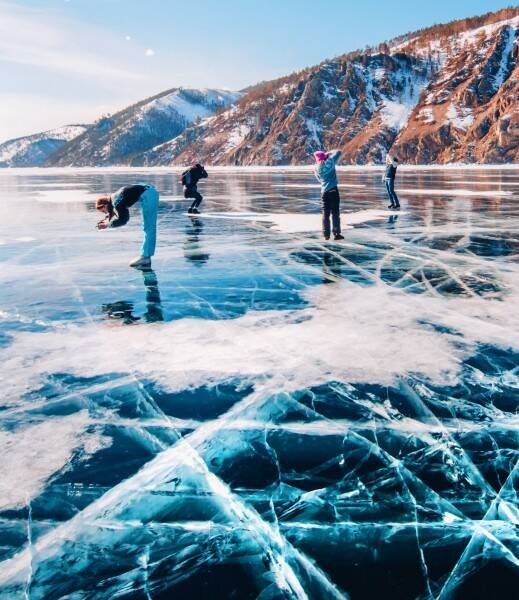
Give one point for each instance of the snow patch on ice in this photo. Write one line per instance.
(289, 350)
(455, 192)
(34, 453)
(280, 350)
(301, 222)
(315, 185)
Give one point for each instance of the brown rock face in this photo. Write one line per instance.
(469, 112)
(446, 94)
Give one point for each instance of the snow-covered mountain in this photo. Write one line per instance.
(33, 150)
(118, 139)
(443, 94)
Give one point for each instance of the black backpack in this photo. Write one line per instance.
(186, 178)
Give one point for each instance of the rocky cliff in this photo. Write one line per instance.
(448, 93)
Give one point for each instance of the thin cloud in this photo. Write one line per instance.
(29, 37)
(149, 52)
(25, 114)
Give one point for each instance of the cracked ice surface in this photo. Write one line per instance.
(263, 415)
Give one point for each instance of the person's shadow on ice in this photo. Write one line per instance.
(122, 310)
(193, 250)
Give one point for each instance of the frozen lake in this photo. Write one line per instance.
(262, 415)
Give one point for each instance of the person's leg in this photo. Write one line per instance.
(150, 208)
(325, 202)
(153, 304)
(188, 193)
(336, 212)
(197, 199)
(389, 193)
(394, 197)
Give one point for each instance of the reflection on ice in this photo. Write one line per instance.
(123, 310)
(263, 415)
(457, 192)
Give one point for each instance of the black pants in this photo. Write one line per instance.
(192, 192)
(331, 206)
(390, 187)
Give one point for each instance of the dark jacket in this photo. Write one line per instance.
(192, 176)
(390, 172)
(122, 200)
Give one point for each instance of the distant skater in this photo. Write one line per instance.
(189, 180)
(116, 208)
(389, 180)
(330, 199)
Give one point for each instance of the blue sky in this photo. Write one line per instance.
(68, 61)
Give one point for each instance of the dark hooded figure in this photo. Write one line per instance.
(190, 179)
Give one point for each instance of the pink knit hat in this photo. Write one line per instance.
(320, 156)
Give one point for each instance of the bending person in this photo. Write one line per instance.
(389, 180)
(331, 201)
(189, 180)
(116, 207)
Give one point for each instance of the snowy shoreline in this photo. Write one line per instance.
(252, 168)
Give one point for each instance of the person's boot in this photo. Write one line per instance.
(397, 207)
(338, 236)
(141, 261)
(326, 237)
(189, 211)
(391, 206)
(195, 211)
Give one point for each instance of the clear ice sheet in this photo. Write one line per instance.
(262, 415)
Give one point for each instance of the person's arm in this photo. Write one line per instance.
(103, 223)
(334, 155)
(120, 218)
(204, 174)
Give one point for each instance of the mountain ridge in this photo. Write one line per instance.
(115, 139)
(441, 94)
(429, 98)
(34, 150)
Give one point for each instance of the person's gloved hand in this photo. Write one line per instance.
(102, 225)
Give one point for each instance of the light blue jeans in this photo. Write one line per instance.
(150, 207)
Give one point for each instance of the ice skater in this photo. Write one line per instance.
(389, 180)
(330, 199)
(189, 180)
(116, 208)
